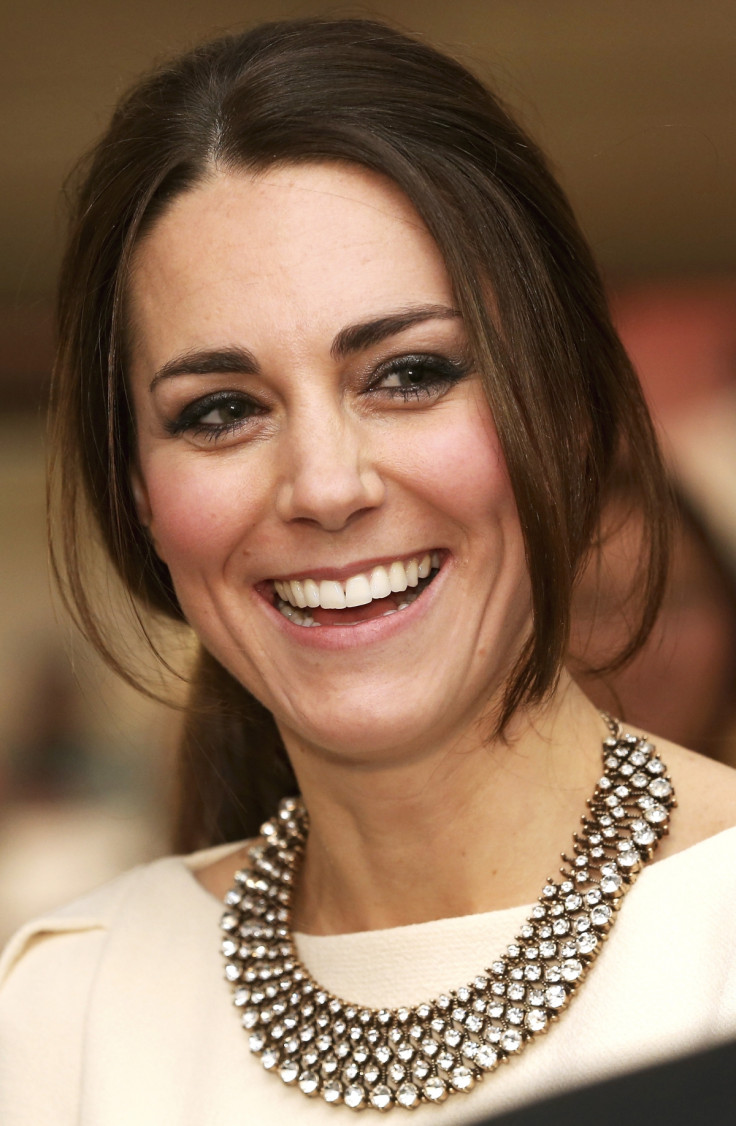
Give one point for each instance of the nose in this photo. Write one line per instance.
(329, 475)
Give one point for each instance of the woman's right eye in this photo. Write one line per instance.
(215, 416)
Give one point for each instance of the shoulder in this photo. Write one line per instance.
(60, 972)
(84, 922)
(47, 972)
(215, 869)
(90, 913)
(169, 886)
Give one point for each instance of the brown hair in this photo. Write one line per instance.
(566, 401)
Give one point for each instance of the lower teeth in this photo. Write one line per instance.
(304, 617)
(298, 617)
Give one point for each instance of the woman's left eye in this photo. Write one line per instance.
(420, 376)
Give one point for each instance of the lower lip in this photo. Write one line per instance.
(360, 634)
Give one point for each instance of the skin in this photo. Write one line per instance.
(385, 720)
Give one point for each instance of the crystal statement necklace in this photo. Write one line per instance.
(347, 1054)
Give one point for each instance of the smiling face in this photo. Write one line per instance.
(317, 463)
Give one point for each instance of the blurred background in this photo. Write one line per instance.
(636, 104)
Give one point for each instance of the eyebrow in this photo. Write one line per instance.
(221, 361)
(351, 339)
(355, 338)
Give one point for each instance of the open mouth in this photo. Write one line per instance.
(382, 590)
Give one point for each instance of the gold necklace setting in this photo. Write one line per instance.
(360, 1057)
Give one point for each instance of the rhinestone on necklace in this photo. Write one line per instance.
(384, 1058)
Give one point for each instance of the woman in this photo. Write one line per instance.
(338, 380)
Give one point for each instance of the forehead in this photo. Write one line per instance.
(299, 248)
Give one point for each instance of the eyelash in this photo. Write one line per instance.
(443, 373)
(189, 421)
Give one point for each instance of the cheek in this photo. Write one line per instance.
(460, 468)
(197, 510)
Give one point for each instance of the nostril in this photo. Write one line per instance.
(330, 488)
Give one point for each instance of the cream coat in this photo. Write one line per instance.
(114, 1010)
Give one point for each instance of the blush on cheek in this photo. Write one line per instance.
(189, 520)
(470, 477)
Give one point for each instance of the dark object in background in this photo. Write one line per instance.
(691, 1091)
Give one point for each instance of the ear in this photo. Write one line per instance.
(140, 496)
(143, 504)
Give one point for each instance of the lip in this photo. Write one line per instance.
(342, 574)
(360, 634)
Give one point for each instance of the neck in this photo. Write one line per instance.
(469, 826)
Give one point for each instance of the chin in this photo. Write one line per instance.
(363, 737)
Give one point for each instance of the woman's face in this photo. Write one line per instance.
(311, 430)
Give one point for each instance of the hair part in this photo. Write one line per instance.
(567, 404)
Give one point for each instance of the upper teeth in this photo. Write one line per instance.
(359, 589)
